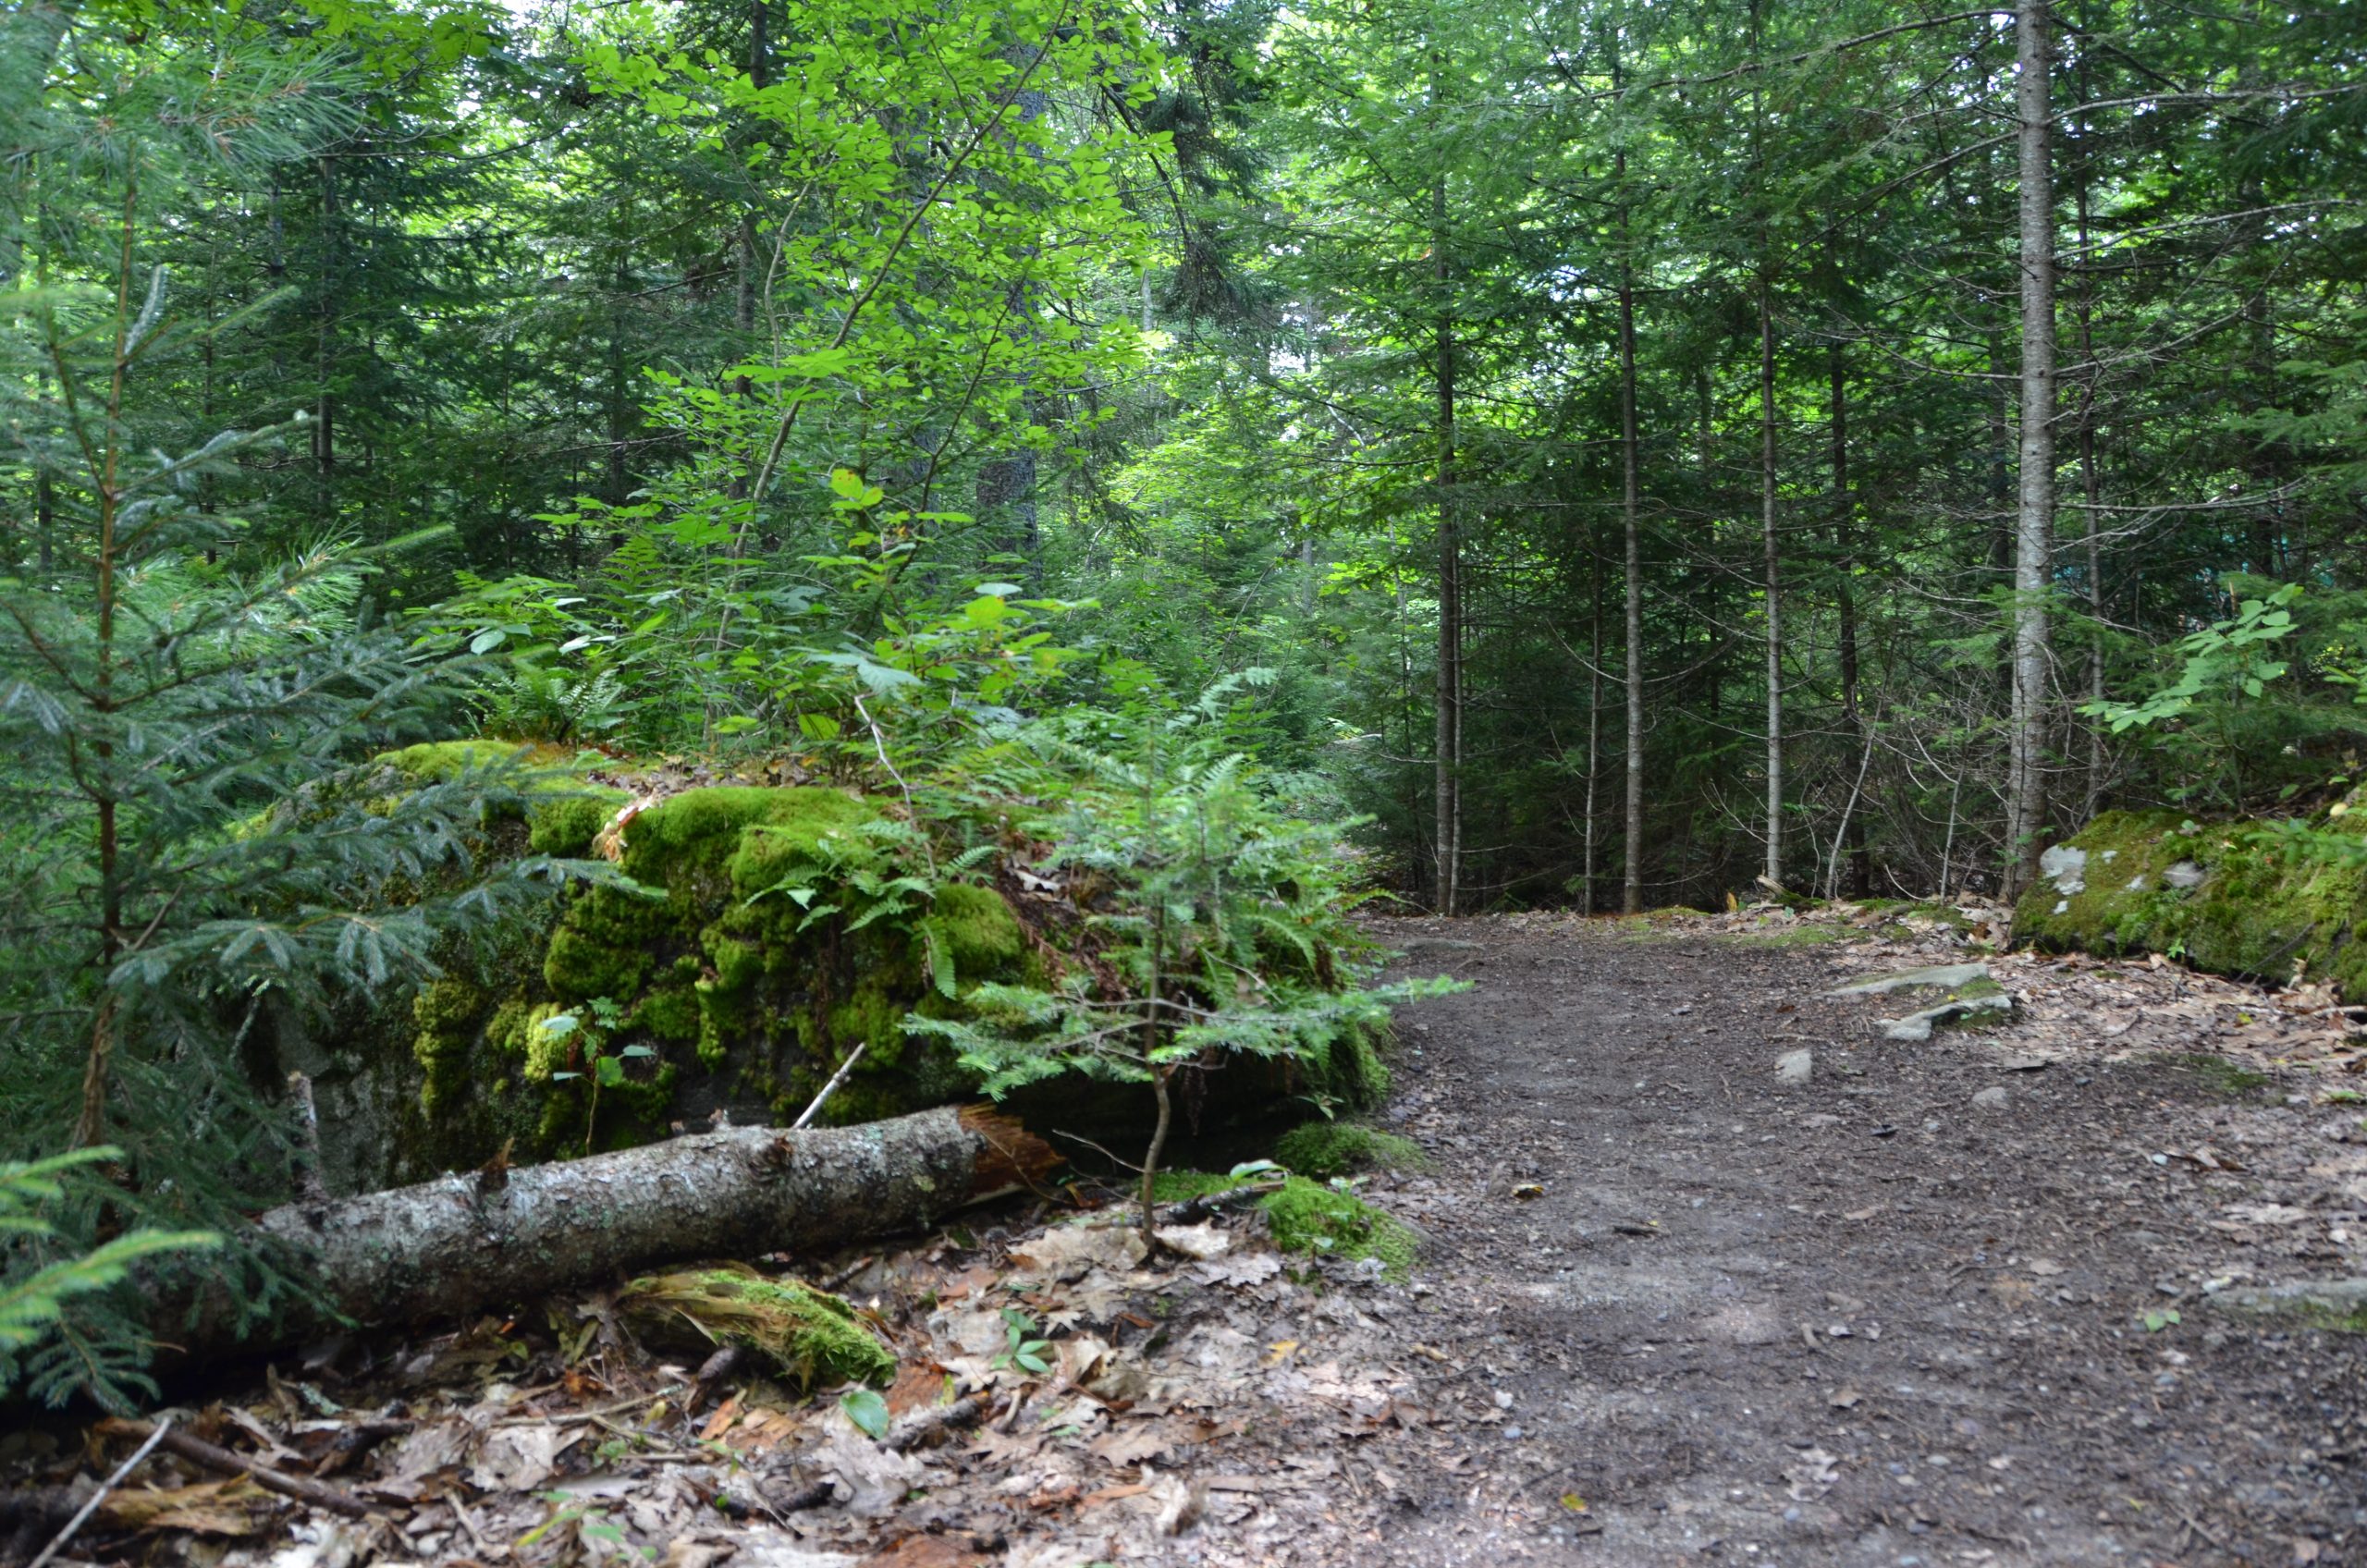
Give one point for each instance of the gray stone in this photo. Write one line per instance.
(1957, 1011)
(1794, 1067)
(2186, 874)
(1992, 1100)
(2065, 867)
(2302, 1299)
(1987, 1003)
(1939, 977)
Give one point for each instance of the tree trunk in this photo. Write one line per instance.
(2091, 491)
(465, 1242)
(1774, 870)
(1449, 738)
(325, 355)
(2034, 510)
(1006, 494)
(1859, 881)
(1594, 715)
(1631, 891)
(615, 487)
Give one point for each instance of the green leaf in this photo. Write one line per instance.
(867, 1410)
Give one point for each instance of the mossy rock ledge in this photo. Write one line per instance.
(737, 979)
(2251, 899)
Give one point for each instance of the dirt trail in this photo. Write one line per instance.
(1863, 1320)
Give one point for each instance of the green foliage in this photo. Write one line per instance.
(1221, 940)
(35, 1305)
(1021, 1348)
(196, 835)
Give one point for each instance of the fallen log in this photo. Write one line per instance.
(488, 1238)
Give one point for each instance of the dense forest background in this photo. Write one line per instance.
(1609, 454)
(1654, 373)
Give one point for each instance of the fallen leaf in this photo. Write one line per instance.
(1133, 1443)
(1812, 1475)
(1204, 1243)
(1240, 1269)
(922, 1552)
(519, 1459)
(1067, 1251)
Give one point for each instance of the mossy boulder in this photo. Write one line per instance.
(755, 938)
(2253, 900)
(759, 937)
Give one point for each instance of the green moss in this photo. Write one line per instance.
(978, 930)
(506, 1031)
(811, 1337)
(2219, 1074)
(1338, 1148)
(706, 947)
(549, 1050)
(433, 762)
(606, 943)
(566, 826)
(1320, 1221)
(1182, 1186)
(1348, 1067)
(1310, 1218)
(445, 1012)
(753, 833)
(2268, 900)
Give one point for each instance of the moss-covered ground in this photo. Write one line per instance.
(1324, 1149)
(1313, 1219)
(812, 1339)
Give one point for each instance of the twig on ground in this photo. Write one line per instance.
(909, 1433)
(1088, 1143)
(57, 1542)
(837, 1281)
(578, 1417)
(922, 1425)
(302, 1489)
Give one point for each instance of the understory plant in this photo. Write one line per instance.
(195, 833)
(1215, 933)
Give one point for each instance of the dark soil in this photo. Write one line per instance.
(1685, 1312)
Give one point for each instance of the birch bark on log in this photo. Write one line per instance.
(464, 1243)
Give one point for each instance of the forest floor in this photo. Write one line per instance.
(1670, 1308)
